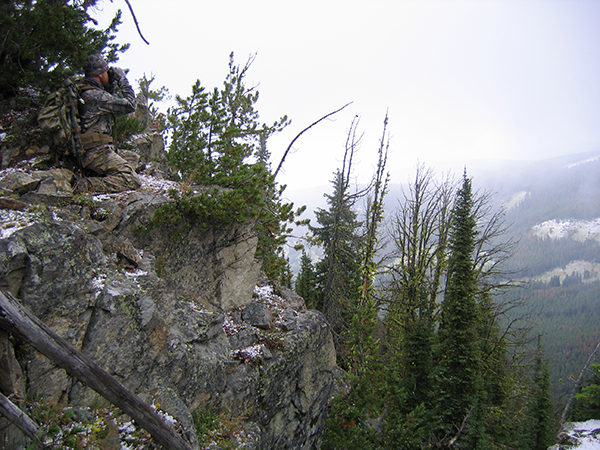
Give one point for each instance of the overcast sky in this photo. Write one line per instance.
(462, 80)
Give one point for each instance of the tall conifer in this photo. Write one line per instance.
(460, 353)
(540, 410)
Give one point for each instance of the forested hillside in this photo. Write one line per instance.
(559, 258)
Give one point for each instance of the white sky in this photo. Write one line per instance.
(462, 80)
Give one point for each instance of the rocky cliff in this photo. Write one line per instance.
(186, 323)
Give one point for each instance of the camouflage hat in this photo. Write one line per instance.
(95, 65)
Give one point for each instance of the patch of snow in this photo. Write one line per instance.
(516, 200)
(578, 230)
(585, 161)
(230, 327)
(250, 353)
(8, 170)
(98, 283)
(127, 428)
(263, 291)
(13, 221)
(158, 185)
(580, 267)
(168, 418)
(101, 197)
(135, 273)
(584, 435)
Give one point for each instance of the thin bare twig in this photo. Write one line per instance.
(137, 25)
(300, 134)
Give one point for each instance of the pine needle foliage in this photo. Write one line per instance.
(219, 144)
(43, 42)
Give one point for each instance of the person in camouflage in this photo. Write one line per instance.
(96, 105)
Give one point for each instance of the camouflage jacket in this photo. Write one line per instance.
(96, 106)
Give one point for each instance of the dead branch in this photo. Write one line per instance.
(579, 378)
(137, 25)
(461, 430)
(301, 133)
(17, 417)
(15, 318)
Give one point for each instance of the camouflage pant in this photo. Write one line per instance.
(115, 173)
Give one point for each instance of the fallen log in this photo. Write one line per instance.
(15, 318)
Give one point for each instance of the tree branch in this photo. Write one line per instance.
(137, 25)
(301, 133)
(579, 378)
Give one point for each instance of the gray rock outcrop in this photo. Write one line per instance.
(180, 322)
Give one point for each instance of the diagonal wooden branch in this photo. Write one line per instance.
(461, 430)
(301, 133)
(15, 318)
(17, 417)
(577, 383)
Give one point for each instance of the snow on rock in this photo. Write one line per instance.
(12, 221)
(579, 436)
(158, 185)
(579, 230)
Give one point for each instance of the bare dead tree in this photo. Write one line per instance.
(420, 228)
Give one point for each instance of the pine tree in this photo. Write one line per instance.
(339, 271)
(539, 429)
(587, 401)
(348, 425)
(45, 41)
(306, 281)
(459, 386)
(217, 141)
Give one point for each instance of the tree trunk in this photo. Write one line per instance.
(16, 318)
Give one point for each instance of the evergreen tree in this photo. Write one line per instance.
(306, 281)
(540, 428)
(587, 401)
(349, 425)
(217, 141)
(460, 384)
(338, 272)
(45, 41)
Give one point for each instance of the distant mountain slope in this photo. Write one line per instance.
(554, 208)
